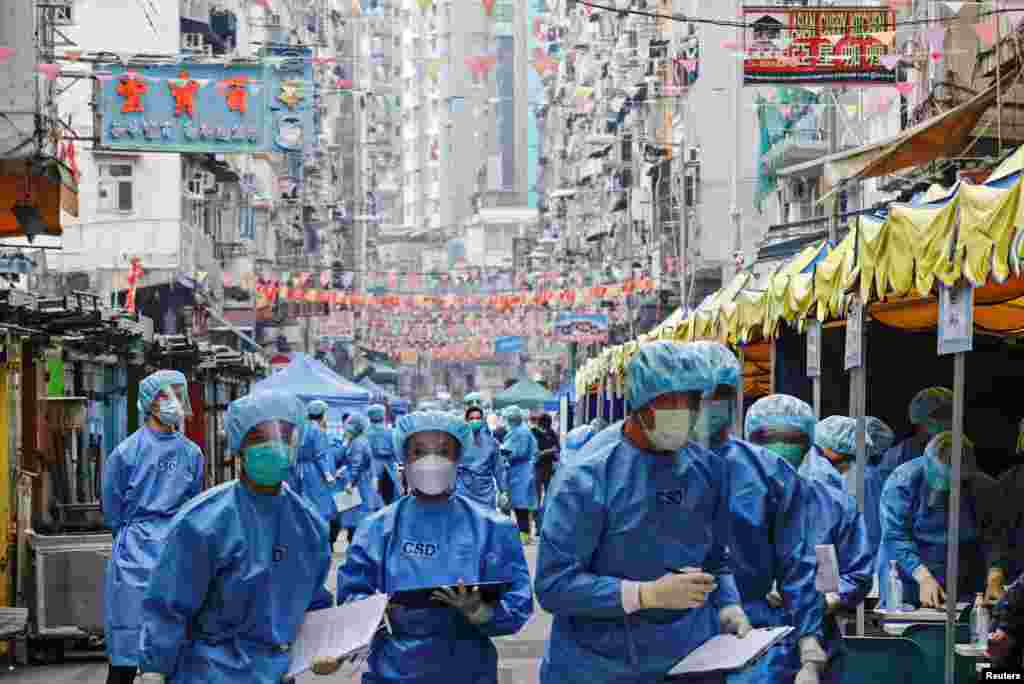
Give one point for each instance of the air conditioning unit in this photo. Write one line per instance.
(63, 12)
(209, 181)
(693, 154)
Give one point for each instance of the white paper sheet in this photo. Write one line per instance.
(827, 577)
(336, 632)
(347, 498)
(727, 652)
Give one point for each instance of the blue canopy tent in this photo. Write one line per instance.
(308, 379)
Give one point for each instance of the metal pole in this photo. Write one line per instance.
(737, 86)
(833, 147)
(999, 81)
(740, 399)
(953, 527)
(684, 240)
(858, 409)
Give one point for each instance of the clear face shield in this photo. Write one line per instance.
(716, 414)
(276, 433)
(177, 393)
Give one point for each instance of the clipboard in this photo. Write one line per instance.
(728, 652)
(347, 499)
(491, 592)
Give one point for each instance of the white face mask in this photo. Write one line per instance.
(671, 429)
(431, 474)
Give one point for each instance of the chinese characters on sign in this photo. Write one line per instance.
(813, 349)
(817, 45)
(854, 335)
(235, 108)
(956, 319)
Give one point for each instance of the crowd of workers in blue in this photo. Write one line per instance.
(655, 533)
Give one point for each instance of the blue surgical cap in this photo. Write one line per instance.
(473, 398)
(514, 413)
(249, 411)
(429, 421)
(316, 408)
(578, 437)
(725, 367)
(928, 402)
(839, 433)
(881, 436)
(941, 448)
(376, 412)
(356, 424)
(780, 412)
(154, 384)
(599, 424)
(664, 367)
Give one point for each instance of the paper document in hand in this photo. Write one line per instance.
(827, 577)
(347, 499)
(337, 632)
(728, 652)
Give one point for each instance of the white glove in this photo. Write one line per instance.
(468, 602)
(810, 673)
(832, 603)
(774, 599)
(152, 678)
(503, 502)
(688, 589)
(734, 621)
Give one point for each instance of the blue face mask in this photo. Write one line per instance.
(937, 474)
(714, 417)
(267, 464)
(793, 453)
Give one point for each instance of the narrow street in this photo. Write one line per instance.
(519, 656)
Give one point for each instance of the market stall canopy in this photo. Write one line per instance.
(308, 379)
(525, 394)
(894, 260)
(940, 137)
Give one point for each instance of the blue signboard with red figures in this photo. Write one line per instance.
(264, 105)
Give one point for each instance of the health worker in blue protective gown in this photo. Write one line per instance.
(767, 523)
(481, 473)
(930, 412)
(357, 473)
(633, 561)
(146, 480)
(915, 517)
(520, 453)
(241, 565)
(436, 538)
(834, 520)
(575, 440)
(313, 475)
(827, 462)
(385, 464)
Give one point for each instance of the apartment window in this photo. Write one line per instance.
(117, 187)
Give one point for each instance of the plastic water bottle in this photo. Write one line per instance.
(894, 594)
(979, 621)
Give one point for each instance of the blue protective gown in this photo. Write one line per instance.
(384, 463)
(416, 544)
(482, 470)
(146, 479)
(833, 519)
(520, 447)
(768, 543)
(816, 466)
(898, 454)
(914, 526)
(1007, 521)
(359, 472)
(624, 513)
(311, 476)
(236, 577)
